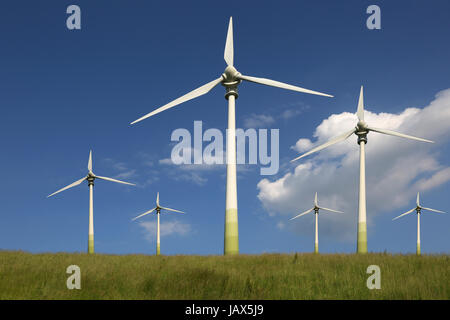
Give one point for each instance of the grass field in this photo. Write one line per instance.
(268, 276)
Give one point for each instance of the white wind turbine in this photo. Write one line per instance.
(316, 212)
(361, 130)
(230, 79)
(90, 179)
(158, 209)
(418, 210)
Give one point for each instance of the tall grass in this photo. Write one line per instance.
(268, 276)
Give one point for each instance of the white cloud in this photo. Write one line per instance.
(126, 174)
(396, 168)
(281, 225)
(167, 161)
(283, 112)
(124, 171)
(258, 121)
(167, 228)
(290, 113)
(195, 173)
(302, 145)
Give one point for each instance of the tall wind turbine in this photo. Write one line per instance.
(418, 209)
(158, 209)
(316, 212)
(90, 179)
(230, 79)
(361, 130)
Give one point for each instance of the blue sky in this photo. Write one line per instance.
(65, 92)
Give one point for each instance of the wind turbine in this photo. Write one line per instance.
(90, 179)
(361, 130)
(316, 212)
(230, 79)
(418, 209)
(158, 211)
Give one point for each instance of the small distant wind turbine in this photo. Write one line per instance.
(361, 130)
(158, 209)
(418, 209)
(316, 212)
(230, 79)
(90, 178)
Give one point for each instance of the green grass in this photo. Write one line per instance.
(268, 276)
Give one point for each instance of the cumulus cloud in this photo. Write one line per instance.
(396, 168)
(167, 228)
(290, 113)
(283, 112)
(258, 121)
(195, 173)
(302, 145)
(124, 171)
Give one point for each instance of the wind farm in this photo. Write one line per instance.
(361, 131)
(114, 79)
(230, 79)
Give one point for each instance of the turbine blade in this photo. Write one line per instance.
(301, 214)
(323, 208)
(360, 111)
(74, 184)
(417, 200)
(145, 213)
(189, 96)
(281, 85)
(434, 210)
(169, 209)
(157, 199)
(114, 180)
(315, 200)
(337, 139)
(404, 214)
(229, 48)
(90, 161)
(397, 134)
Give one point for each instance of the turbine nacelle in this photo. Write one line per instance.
(361, 126)
(231, 75)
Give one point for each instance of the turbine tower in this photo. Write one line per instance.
(361, 130)
(90, 179)
(230, 79)
(316, 213)
(418, 209)
(158, 209)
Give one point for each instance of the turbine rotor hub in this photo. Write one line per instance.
(361, 126)
(231, 81)
(230, 76)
